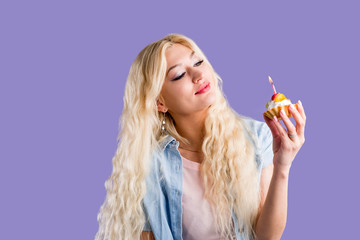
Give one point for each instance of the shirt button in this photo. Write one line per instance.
(177, 167)
(177, 193)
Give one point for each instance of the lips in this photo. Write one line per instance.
(203, 86)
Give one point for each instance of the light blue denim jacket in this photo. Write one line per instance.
(162, 202)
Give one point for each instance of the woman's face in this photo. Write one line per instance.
(186, 74)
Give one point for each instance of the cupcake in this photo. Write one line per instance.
(278, 101)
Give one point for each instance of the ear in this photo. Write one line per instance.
(161, 106)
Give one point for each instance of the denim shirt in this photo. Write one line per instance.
(162, 202)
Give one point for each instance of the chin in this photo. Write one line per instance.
(208, 102)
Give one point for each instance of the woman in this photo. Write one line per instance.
(187, 166)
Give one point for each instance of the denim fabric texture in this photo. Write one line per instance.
(162, 202)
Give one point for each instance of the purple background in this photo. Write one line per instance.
(63, 68)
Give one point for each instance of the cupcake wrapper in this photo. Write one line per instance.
(276, 112)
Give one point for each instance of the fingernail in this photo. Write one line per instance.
(282, 112)
(275, 118)
(292, 106)
(300, 103)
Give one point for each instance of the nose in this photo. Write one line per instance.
(197, 75)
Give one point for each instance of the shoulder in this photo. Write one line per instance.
(256, 126)
(258, 129)
(260, 135)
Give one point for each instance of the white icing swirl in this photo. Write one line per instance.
(273, 104)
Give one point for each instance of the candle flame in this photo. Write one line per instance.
(270, 80)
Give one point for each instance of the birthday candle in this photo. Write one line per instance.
(272, 84)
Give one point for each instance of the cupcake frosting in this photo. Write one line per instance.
(272, 104)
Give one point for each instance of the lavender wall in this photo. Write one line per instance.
(63, 68)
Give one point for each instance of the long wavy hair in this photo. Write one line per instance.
(228, 170)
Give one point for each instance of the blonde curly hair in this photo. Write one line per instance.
(228, 170)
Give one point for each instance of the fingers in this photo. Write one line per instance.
(271, 125)
(295, 133)
(282, 132)
(299, 117)
(300, 108)
(289, 125)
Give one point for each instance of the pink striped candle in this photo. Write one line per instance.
(272, 84)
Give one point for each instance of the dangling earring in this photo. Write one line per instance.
(163, 125)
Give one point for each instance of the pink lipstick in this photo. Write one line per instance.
(204, 90)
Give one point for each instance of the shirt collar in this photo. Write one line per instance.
(166, 141)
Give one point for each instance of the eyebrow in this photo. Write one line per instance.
(191, 55)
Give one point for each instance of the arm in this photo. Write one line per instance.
(273, 206)
(146, 235)
(274, 180)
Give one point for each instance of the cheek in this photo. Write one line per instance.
(177, 94)
(208, 74)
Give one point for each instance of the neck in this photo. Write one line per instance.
(192, 128)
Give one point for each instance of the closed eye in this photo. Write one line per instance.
(196, 65)
(177, 78)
